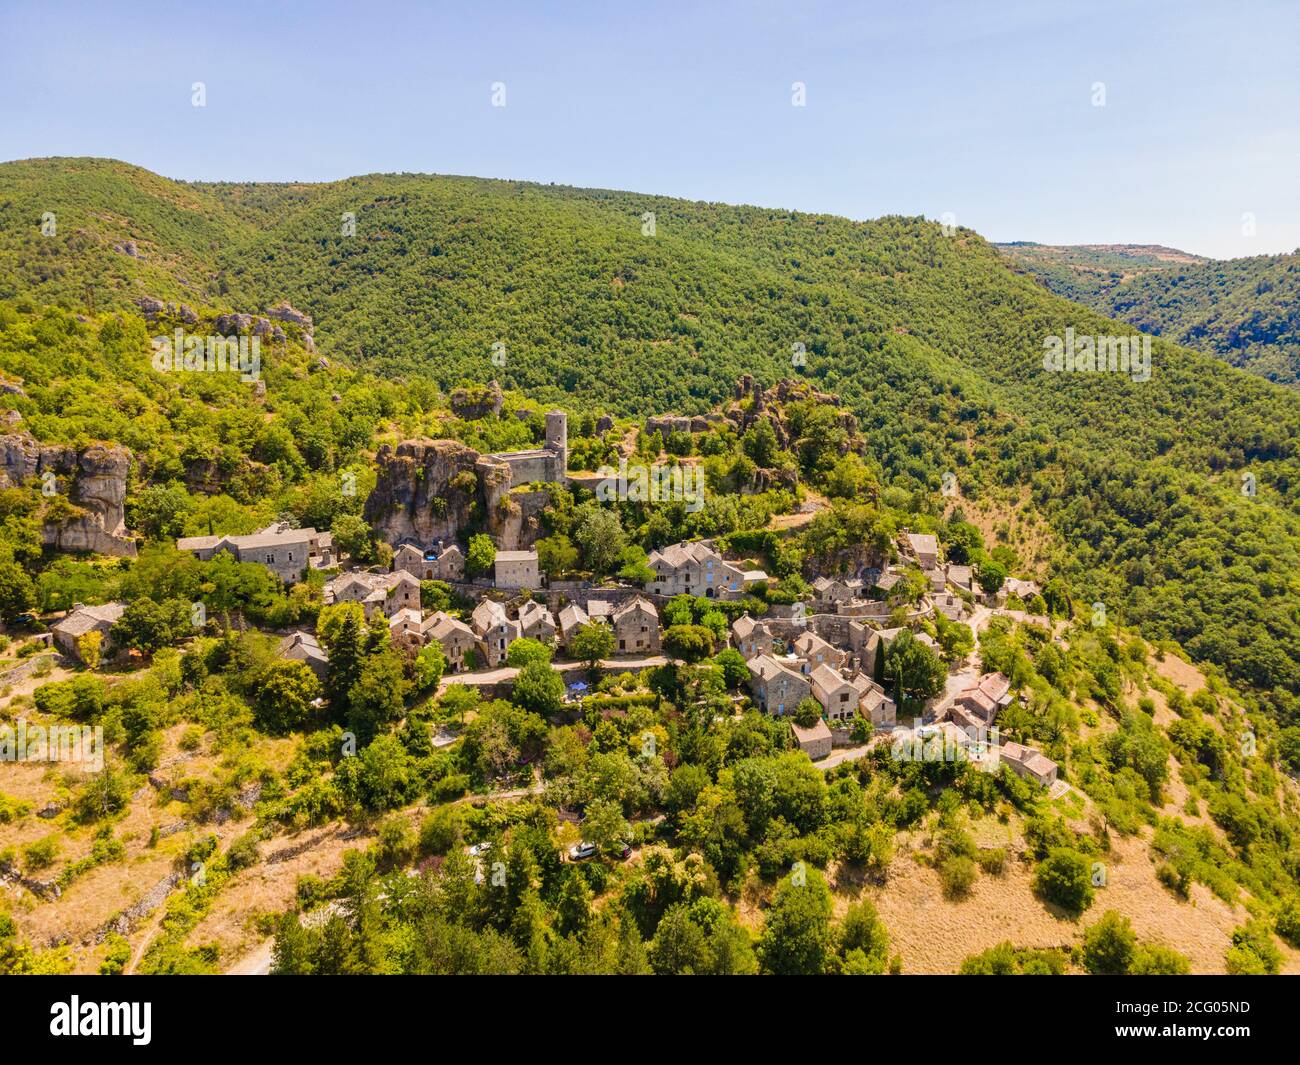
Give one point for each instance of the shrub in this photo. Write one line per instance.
(116, 956)
(1253, 952)
(1153, 959)
(957, 875)
(243, 852)
(41, 854)
(1109, 945)
(1063, 878)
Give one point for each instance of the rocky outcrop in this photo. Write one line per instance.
(245, 480)
(472, 403)
(284, 311)
(432, 490)
(425, 490)
(666, 424)
(228, 324)
(92, 480)
(769, 405)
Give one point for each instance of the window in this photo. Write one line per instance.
(270, 560)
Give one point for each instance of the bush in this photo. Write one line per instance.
(395, 847)
(1109, 945)
(116, 956)
(41, 854)
(441, 831)
(1288, 921)
(1253, 952)
(957, 875)
(1063, 878)
(1152, 959)
(243, 852)
(1174, 879)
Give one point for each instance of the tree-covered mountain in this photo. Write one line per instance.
(640, 304)
(1245, 311)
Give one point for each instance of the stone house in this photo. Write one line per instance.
(838, 695)
(431, 564)
(406, 629)
(812, 651)
(1028, 763)
(961, 577)
(835, 590)
(877, 707)
(456, 638)
(83, 619)
(751, 637)
(694, 569)
(536, 622)
(572, 618)
(496, 632)
(977, 705)
(776, 688)
(951, 606)
(384, 593)
(516, 570)
(636, 626)
(304, 647)
(286, 552)
(816, 742)
(864, 641)
(924, 548)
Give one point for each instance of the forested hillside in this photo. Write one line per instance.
(1242, 310)
(930, 338)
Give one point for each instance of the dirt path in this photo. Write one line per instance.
(813, 505)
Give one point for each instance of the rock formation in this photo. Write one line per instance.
(92, 480)
(432, 490)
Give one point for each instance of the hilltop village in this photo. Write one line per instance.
(716, 656)
(816, 661)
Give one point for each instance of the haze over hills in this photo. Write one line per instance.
(929, 338)
(1243, 311)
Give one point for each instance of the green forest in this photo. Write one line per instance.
(929, 338)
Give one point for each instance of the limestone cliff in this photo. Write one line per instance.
(91, 482)
(431, 490)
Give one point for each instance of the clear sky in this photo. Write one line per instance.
(984, 110)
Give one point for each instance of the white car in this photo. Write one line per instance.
(480, 848)
(580, 852)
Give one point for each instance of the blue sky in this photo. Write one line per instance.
(984, 110)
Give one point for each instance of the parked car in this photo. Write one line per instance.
(480, 848)
(580, 852)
